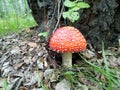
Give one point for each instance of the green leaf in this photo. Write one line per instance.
(65, 15)
(69, 73)
(79, 5)
(74, 8)
(74, 16)
(5, 85)
(44, 34)
(83, 5)
(68, 3)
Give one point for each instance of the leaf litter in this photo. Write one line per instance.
(25, 65)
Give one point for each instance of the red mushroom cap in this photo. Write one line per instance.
(67, 39)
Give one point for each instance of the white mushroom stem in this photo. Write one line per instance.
(67, 59)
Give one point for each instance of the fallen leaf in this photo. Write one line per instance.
(34, 59)
(40, 64)
(27, 60)
(103, 77)
(18, 65)
(28, 30)
(2, 82)
(23, 88)
(32, 44)
(48, 73)
(88, 54)
(63, 85)
(15, 50)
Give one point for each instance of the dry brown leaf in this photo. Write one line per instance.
(23, 88)
(88, 54)
(45, 63)
(28, 30)
(32, 44)
(102, 77)
(27, 60)
(17, 66)
(63, 85)
(34, 59)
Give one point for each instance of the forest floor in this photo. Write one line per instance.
(25, 65)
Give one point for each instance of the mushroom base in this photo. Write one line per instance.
(67, 59)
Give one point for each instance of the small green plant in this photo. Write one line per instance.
(73, 6)
(69, 75)
(72, 78)
(40, 82)
(111, 80)
(5, 85)
(44, 34)
(101, 77)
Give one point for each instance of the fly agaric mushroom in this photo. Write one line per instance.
(67, 40)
